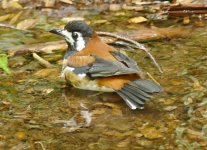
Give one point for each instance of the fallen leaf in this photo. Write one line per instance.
(49, 3)
(170, 108)
(120, 14)
(47, 91)
(118, 134)
(5, 17)
(204, 102)
(100, 21)
(147, 144)
(151, 133)
(138, 135)
(204, 131)
(179, 132)
(199, 23)
(123, 143)
(5, 4)
(68, 19)
(186, 20)
(194, 135)
(15, 5)
(184, 1)
(188, 101)
(4, 63)
(47, 47)
(15, 18)
(196, 84)
(137, 20)
(115, 7)
(169, 101)
(47, 72)
(20, 135)
(120, 124)
(66, 1)
(26, 24)
(98, 111)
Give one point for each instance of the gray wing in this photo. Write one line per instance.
(105, 68)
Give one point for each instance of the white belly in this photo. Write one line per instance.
(81, 81)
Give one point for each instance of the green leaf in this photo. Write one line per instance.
(4, 63)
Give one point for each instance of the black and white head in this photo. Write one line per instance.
(76, 34)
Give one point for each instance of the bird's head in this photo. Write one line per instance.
(76, 34)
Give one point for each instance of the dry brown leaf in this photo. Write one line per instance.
(68, 19)
(138, 135)
(15, 5)
(98, 111)
(151, 133)
(5, 4)
(186, 20)
(49, 3)
(15, 18)
(117, 111)
(123, 143)
(66, 1)
(184, 1)
(118, 134)
(47, 72)
(129, 7)
(194, 135)
(196, 84)
(115, 7)
(26, 24)
(5, 17)
(47, 47)
(100, 21)
(20, 135)
(137, 20)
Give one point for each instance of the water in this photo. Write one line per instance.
(39, 111)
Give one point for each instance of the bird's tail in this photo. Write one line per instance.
(137, 92)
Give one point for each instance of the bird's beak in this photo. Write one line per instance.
(57, 31)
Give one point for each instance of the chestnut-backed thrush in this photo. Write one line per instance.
(90, 64)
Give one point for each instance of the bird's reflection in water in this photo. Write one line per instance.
(78, 98)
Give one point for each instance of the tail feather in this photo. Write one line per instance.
(129, 102)
(133, 96)
(134, 89)
(148, 86)
(137, 92)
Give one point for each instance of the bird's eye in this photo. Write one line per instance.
(75, 35)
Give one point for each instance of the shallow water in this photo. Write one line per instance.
(39, 111)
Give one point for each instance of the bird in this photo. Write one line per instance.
(91, 64)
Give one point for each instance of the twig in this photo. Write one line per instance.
(184, 9)
(184, 12)
(42, 61)
(138, 45)
(96, 94)
(42, 146)
(149, 75)
(150, 3)
(48, 47)
(189, 6)
(2, 25)
(7, 26)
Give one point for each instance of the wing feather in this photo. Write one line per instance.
(97, 67)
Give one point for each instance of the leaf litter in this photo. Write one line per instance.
(177, 120)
